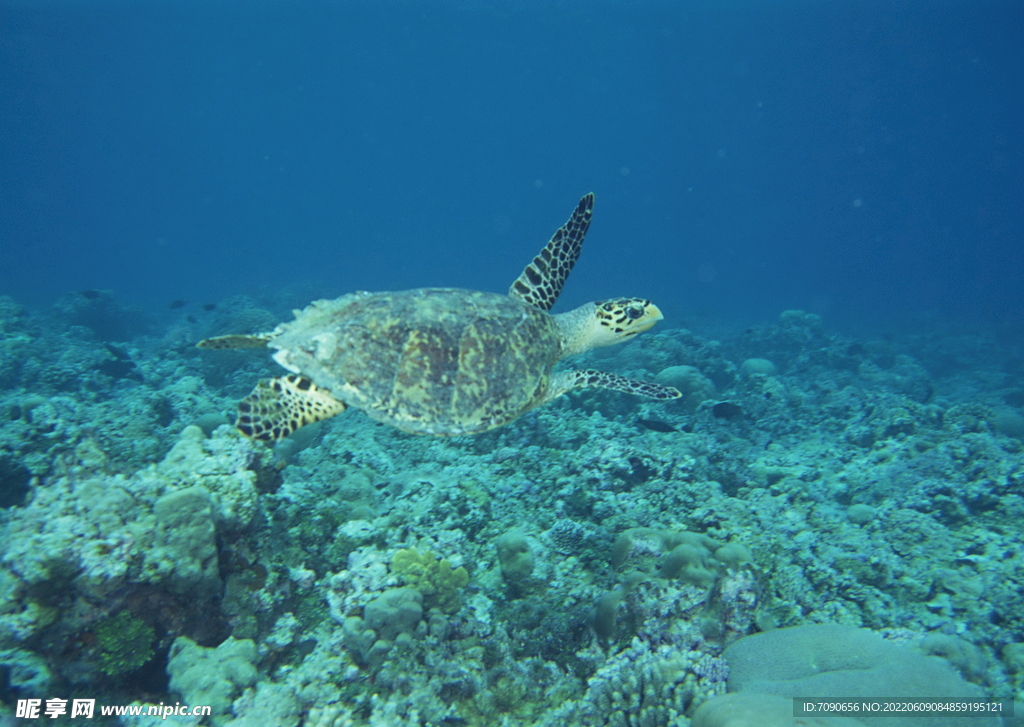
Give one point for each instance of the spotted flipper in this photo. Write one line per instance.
(542, 280)
(255, 340)
(277, 407)
(564, 381)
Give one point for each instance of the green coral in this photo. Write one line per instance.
(434, 578)
(515, 557)
(125, 643)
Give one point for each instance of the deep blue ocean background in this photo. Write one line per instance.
(861, 160)
(825, 198)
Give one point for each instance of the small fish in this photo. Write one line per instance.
(117, 352)
(656, 426)
(121, 367)
(118, 369)
(90, 294)
(258, 577)
(175, 304)
(209, 306)
(726, 410)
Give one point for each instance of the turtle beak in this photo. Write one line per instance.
(645, 316)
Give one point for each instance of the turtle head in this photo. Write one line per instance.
(619, 319)
(605, 322)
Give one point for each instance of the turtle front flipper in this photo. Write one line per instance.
(542, 280)
(277, 407)
(564, 381)
(255, 340)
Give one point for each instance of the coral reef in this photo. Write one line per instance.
(124, 643)
(572, 568)
(835, 662)
(515, 557)
(434, 578)
(212, 676)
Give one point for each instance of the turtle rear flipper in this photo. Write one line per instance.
(255, 340)
(564, 381)
(277, 407)
(542, 280)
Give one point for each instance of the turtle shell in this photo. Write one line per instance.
(427, 361)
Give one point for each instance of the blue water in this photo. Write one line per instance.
(860, 160)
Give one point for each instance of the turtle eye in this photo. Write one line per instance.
(634, 312)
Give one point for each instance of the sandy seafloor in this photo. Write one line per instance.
(586, 565)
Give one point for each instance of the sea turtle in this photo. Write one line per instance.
(442, 361)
